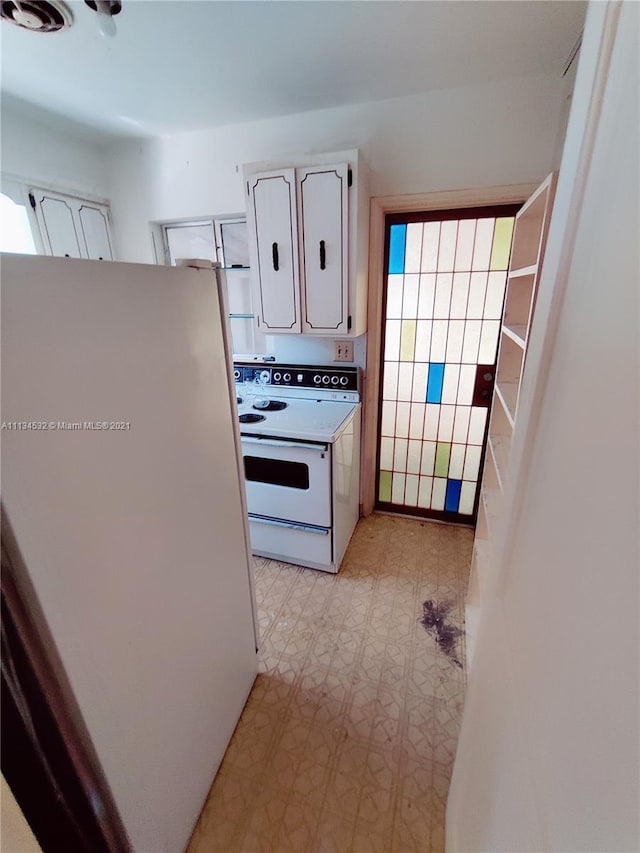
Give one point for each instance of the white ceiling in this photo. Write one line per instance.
(191, 64)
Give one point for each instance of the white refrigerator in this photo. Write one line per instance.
(128, 507)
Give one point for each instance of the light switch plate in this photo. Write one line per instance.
(343, 350)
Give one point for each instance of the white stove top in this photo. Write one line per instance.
(307, 419)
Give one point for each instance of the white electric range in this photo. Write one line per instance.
(300, 435)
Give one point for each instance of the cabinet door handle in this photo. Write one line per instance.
(323, 255)
(274, 257)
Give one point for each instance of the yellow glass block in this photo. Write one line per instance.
(384, 491)
(407, 340)
(501, 243)
(443, 453)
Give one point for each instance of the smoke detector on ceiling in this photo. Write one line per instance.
(38, 16)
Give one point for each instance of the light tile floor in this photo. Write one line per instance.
(347, 740)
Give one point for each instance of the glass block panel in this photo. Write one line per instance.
(428, 460)
(395, 285)
(402, 419)
(466, 384)
(434, 383)
(397, 488)
(501, 243)
(443, 452)
(460, 295)
(407, 340)
(450, 384)
(445, 427)
(471, 344)
(467, 498)
(384, 491)
(477, 292)
(411, 490)
(410, 297)
(439, 329)
(456, 461)
(413, 249)
(461, 424)
(392, 340)
(464, 249)
(386, 453)
(388, 417)
(400, 454)
(416, 423)
(397, 241)
(420, 373)
(495, 295)
(477, 423)
(405, 380)
(438, 493)
(442, 304)
(452, 495)
(424, 492)
(431, 421)
(455, 339)
(483, 243)
(430, 243)
(448, 238)
(423, 340)
(414, 456)
(426, 296)
(488, 341)
(472, 462)
(390, 380)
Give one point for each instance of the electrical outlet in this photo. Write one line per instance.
(343, 350)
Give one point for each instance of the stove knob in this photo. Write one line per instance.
(236, 374)
(344, 380)
(287, 377)
(317, 379)
(325, 380)
(276, 377)
(264, 377)
(334, 380)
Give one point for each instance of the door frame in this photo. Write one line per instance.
(380, 206)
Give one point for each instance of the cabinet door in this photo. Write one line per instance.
(323, 229)
(95, 232)
(275, 243)
(57, 225)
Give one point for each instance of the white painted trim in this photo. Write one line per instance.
(380, 206)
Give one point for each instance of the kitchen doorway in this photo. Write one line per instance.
(445, 275)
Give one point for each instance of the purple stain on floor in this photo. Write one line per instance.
(434, 622)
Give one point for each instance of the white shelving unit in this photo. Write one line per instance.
(527, 253)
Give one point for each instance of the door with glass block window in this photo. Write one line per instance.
(445, 282)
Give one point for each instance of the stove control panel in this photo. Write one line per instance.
(298, 376)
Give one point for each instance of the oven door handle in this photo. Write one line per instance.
(292, 525)
(269, 442)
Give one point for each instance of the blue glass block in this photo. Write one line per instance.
(452, 498)
(397, 243)
(434, 383)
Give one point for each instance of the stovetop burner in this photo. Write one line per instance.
(251, 418)
(270, 405)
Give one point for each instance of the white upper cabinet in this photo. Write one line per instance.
(323, 228)
(72, 227)
(308, 227)
(274, 246)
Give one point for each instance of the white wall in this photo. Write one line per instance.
(548, 753)
(40, 153)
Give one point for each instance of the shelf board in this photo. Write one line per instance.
(518, 334)
(491, 498)
(507, 393)
(499, 446)
(521, 271)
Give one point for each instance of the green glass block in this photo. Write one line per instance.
(385, 487)
(443, 452)
(408, 340)
(501, 243)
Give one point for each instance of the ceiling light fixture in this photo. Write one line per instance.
(106, 9)
(37, 16)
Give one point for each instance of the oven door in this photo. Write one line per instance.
(289, 480)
